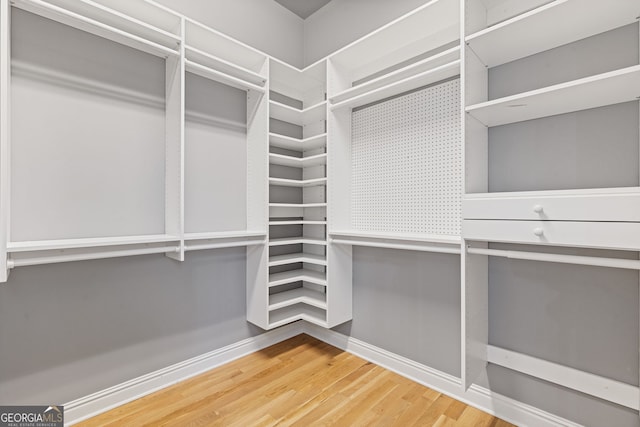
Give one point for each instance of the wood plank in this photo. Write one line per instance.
(301, 381)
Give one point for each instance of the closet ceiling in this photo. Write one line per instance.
(303, 8)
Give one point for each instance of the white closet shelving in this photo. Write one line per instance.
(566, 215)
(418, 50)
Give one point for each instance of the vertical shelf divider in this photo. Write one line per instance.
(174, 166)
(5, 133)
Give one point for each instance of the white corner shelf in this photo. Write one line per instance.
(297, 241)
(48, 245)
(297, 296)
(290, 81)
(549, 26)
(306, 144)
(428, 64)
(414, 242)
(298, 162)
(107, 23)
(196, 56)
(293, 276)
(297, 312)
(296, 116)
(298, 183)
(296, 258)
(298, 222)
(590, 92)
(416, 81)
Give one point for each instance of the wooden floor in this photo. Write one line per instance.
(299, 382)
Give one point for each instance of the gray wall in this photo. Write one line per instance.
(262, 24)
(341, 22)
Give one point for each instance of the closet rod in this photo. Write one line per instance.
(23, 262)
(436, 249)
(224, 245)
(630, 264)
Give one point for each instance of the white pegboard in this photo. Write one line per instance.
(407, 163)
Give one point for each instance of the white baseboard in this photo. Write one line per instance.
(500, 406)
(102, 401)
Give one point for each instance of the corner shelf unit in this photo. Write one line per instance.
(567, 215)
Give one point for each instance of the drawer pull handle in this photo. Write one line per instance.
(538, 231)
(538, 209)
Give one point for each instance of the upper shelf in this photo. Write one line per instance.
(223, 47)
(294, 83)
(424, 78)
(595, 91)
(47, 245)
(210, 61)
(143, 26)
(306, 144)
(296, 116)
(552, 25)
(414, 242)
(426, 28)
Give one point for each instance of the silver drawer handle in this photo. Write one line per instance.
(538, 231)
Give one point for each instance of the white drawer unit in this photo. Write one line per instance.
(606, 204)
(603, 235)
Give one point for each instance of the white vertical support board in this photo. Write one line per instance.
(407, 163)
(339, 284)
(475, 314)
(5, 133)
(258, 285)
(258, 157)
(174, 162)
(338, 157)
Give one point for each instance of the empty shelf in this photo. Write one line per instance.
(293, 276)
(298, 183)
(298, 222)
(305, 144)
(552, 25)
(295, 258)
(297, 205)
(45, 245)
(298, 162)
(199, 57)
(297, 296)
(296, 116)
(296, 241)
(297, 312)
(595, 91)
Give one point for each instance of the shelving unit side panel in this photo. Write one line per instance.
(5, 121)
(174, 146)
(258, 158)
(339, 284)
(258, 285)
(475, 315)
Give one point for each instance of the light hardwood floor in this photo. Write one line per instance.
(299, 382)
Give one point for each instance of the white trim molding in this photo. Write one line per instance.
(479, 397)
(102, 401)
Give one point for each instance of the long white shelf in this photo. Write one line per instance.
(296, 241)
(296, 116)
(414, 82)
(590, 92)
(549, 26)
(296, 258)
(221, 235)
(414, 242)
(146, 37)
(297, 296)
(298, 162)
(293, 276)
(298, 183)
(305, 144)
(47, 245)
(297, 312)
(297, 205)
(294, 83)
(429, 64)
(211, 61)
(221, 77)
(427, 27)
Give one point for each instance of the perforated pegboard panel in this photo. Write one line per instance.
(407, 163)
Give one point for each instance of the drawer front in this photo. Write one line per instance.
(604, 235)
(585, 207)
